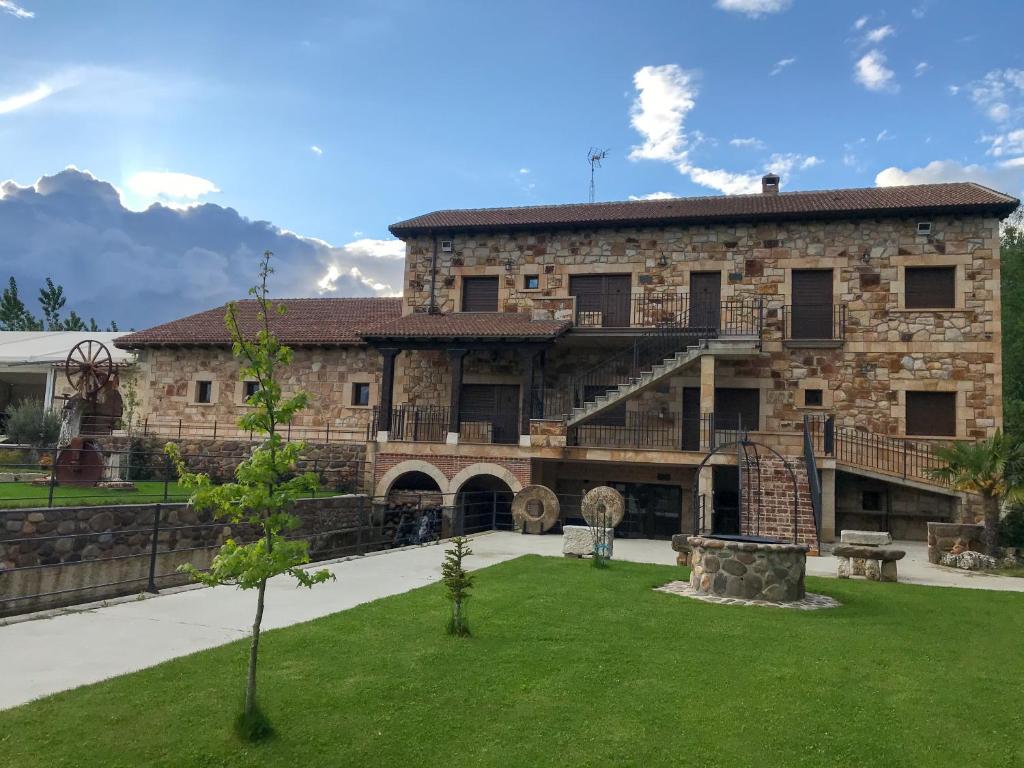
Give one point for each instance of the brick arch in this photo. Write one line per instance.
(484, 468)
(412, 465)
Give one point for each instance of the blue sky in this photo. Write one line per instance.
(332, 120)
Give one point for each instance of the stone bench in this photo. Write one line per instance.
(578, 540)
(871, 557)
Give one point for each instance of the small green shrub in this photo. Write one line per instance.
(459, 582)
(28, 423)
(1011, 528)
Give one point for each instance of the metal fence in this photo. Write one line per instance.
(212, 429)
(55, 477)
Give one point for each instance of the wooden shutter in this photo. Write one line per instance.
(931, 413)
(930, 287)
(733, 406)
(480, 294)
(812, 304)
(602, 300)
(705, 300)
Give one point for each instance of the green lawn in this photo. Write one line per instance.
(573, 666)
(28, 495)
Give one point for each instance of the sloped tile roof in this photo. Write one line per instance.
(469, 325)
(306, 322)
(963, 197)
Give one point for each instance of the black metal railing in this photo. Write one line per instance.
(813, 480)
(431, 423)
(657, 431)
(669, 309)
(814, 322)
(901, 456)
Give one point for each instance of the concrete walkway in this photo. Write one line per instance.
(88, 644)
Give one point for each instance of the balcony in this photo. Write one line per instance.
(813, 325)
(430, 424)
(669, 310)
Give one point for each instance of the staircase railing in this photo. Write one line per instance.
(901, 456)
(690, 326)
(813, 480)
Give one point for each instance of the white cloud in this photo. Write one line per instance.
(810, 161)
(380, 264)
(167, 186)
(524, 171)
(877, 35)
(859, 23)
(9, 6)
(883, 135)
(726, 182)
(753, 8)
(752, 142)
(653, 196)
(784, 164)
(849, 160)
(780, 65)
(872, 73)
(316, 150)
(665, 95)
(954, 90)
(1007, 176)
(21, 100)
(921, 68)
(919, 11)
(1009, 143)
(1000, 93)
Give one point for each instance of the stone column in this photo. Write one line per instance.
(527, 358)
(707, 385)
(828, 505)
(455, 360)
(387, 393)
(705, 482)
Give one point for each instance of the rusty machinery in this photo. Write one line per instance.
(91, 411)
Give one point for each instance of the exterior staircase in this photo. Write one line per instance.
(669, 366)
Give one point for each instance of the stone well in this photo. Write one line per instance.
(751, 570)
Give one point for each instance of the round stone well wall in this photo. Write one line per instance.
(747, 569)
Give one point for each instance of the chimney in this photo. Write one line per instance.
(769, 184)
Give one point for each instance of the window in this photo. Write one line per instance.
(480, 294)
(924, 227)
(360, 393)
(871, 501)
(931, 413)
(531, 282)
(930, 287)
(250, 388)
(812, 397)
(204, 391)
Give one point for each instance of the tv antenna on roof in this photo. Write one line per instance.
(594, 157)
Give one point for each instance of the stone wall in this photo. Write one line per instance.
(341, 466)
(902, 511)
(167, 379)
(888, 351)
(68, 555)
(768, 505)
(945, 537)
(773, 572)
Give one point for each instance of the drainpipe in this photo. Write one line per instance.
(432, 309)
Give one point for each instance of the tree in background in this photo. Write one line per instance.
(15, 316)
(1012, 285)
(993, 468)
(265, 489)
(28, 423)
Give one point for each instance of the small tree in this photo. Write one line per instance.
(459, 582)
(29, 423)
(991, 468)
(266, 487)
(129, 417)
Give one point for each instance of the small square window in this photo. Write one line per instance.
(204, 391)
(924, 227)
(251, 388)
(531, 282)
(360, 394)
(812, 397)
(871, 501)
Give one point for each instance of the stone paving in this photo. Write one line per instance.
(810, 601)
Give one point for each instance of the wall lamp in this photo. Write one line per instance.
(509, 264)
(663, 260)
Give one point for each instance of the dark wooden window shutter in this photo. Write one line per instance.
(480, 294)
(931, 413)
(930, 287)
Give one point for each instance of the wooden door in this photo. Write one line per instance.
(812, 304)
(490, 412)
(602, 301)
(691, 418)
(480, 294)
(737, 409)
(705, 300)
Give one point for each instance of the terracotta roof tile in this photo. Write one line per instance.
(468, 325)
(306, 322)
(830, 203)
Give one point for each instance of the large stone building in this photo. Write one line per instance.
(845, 331)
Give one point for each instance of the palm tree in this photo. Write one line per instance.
(992, 468)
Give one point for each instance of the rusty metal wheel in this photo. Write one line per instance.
(88, 367)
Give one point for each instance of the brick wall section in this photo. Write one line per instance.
(768, 510)
(339, 465)
(451, 465)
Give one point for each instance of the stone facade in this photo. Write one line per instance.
(888, 350)
(167, 380)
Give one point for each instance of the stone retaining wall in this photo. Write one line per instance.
(748, 570)
(943, 537)
(67, 555)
